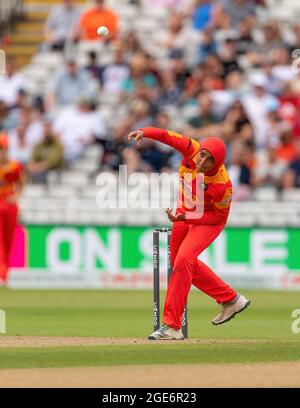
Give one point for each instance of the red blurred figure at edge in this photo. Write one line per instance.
(192, 235)
(11, 183)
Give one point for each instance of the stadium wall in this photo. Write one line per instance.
(73, 256)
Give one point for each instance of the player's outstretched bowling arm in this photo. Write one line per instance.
(186, 146)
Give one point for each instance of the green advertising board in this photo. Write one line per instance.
(124, 254)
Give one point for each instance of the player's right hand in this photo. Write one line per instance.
(136, 135)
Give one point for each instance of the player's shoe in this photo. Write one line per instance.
(166, 333)
(229, 310)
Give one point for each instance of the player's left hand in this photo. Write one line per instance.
(136, 135)
(174, 218)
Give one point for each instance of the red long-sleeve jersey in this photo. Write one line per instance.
(217, 186)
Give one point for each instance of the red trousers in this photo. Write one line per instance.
(8, 221)
(187, 243)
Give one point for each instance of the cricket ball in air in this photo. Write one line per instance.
(102, 31)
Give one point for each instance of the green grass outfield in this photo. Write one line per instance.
(128, 314)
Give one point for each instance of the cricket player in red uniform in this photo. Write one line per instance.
(11, 181)
(191, 235)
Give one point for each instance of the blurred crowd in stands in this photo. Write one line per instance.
(226, 73)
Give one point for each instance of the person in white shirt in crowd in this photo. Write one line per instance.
(69, 85)
(181, 36)
(257, 104)
(61, 24)
(283, 68)
(115, 73)
(78, 126)
(270, 169)
(274, 85)
(11, 83)
(32, 118)
(26, 134)
(276, 125)
(19, 148)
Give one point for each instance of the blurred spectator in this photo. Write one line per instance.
(31, 118)
(207, 46)
(28, 132)
(237, 11)
(239, 171)
(169, 94)
(131, 45)
(113, 147)
(294, 40)
(269, 172)
(234, 123)
(234, 88)
(192, 84)
(95, 17)
(139, 75)
(47, 155)
(235, 84)
(61, 24)
(69, 85)
(152, 64)
(244, 40)
(19, 147)
(140, 113)
(202, 72)
(115, 73)
(212, 65)
(179, 67)
(94, 69)
(271, 36)
(287, 147)
(78, 127)
(170, 158)
(267, 40)
(203, 14)
(206, 115)
(273, 84)
(11, 83)
(22, 101)
(276, 126)
(256, 105)
(165, 3)
(292, 176)
(214, 74)
(6, 121)
(116, 150)
(181, 37)
(155, 155)
(282, 68)
(228, 56)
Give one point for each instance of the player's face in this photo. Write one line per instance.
(205, 161)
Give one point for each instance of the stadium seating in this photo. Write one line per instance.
(70, 196)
